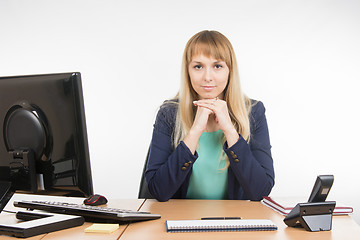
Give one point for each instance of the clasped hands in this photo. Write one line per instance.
(217, 107)
(205, 109)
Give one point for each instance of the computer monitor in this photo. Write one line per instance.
(44, 146)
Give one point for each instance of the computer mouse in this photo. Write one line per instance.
(95, 200)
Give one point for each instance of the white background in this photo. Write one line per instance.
(301, 58)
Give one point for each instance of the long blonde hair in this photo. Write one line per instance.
(216, 45)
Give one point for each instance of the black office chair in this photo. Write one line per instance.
(143, 189)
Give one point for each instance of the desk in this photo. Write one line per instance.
(343, 226)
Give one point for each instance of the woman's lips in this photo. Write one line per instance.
(208, 88)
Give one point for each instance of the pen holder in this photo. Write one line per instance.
(312, 216)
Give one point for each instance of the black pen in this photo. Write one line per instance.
(220, 218)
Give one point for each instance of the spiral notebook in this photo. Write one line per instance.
(220, 225)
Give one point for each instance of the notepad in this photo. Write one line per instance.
(220, 225)
(101, 228)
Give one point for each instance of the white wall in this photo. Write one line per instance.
(301, 58)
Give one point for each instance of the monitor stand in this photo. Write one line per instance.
(37, 223)
(23, 169)
(32, 222)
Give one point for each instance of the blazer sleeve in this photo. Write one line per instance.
(252, 163)
(167, 169)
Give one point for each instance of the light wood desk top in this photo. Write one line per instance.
(344, 227)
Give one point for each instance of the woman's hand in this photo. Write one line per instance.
(198, 127)
(222, 117)
(201, 119)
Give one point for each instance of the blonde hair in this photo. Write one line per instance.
(216, 45)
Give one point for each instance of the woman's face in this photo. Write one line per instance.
(208, 76)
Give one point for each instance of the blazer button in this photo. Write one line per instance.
(236, 160)
(183, 168)
(186, 164)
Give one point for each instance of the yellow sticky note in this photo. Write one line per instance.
(101, 228)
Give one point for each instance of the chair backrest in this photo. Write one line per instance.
(143, 189)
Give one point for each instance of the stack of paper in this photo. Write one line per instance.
(102, 228)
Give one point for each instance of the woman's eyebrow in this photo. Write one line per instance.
(195, 62)
(200, 62)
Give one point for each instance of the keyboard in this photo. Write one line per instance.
(90, 213)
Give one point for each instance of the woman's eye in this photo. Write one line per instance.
(217, 66)
(197, 67)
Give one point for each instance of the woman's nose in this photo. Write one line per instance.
(208, 75)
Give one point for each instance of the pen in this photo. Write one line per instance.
(220, 218)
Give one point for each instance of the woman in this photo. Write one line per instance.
(210, 141)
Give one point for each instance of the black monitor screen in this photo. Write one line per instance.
(44, 147)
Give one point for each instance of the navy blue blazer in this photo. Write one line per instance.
(250, 174)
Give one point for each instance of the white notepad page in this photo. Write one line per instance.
(221, 225)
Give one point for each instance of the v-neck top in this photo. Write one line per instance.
(209, 176)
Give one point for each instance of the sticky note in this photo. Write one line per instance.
(101, 228)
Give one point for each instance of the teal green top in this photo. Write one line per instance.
(208, 179)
